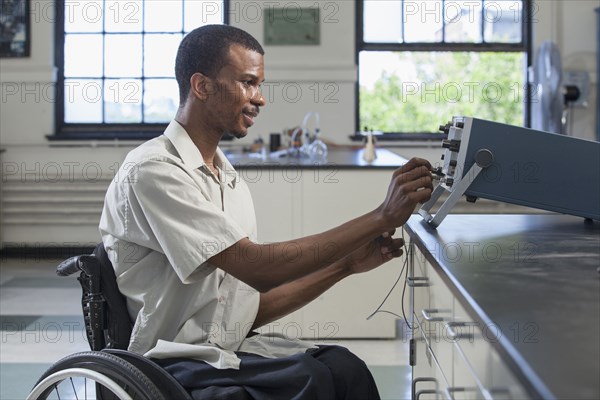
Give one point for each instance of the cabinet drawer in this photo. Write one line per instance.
(503, 384)
(424, 384)
(433, 302)
(429, 381)
(433, 316)
(484, 366)
(466, 385)
(469, 338)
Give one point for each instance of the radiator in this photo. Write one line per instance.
(37, 212)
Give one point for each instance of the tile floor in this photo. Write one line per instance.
(40, 317)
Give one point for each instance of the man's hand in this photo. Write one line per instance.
(411, 184)
(374, 253)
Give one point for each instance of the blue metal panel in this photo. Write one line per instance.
(536, 169)
(598, 76)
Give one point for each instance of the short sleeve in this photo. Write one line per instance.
(169, 209)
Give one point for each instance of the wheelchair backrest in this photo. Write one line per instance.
(105, 314)
(118, 326)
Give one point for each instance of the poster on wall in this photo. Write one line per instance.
(14, 28)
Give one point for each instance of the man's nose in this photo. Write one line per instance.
(258, 98)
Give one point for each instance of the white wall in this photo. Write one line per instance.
(300, 79)
(308, 78)
(26, 103)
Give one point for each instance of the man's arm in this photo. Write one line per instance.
(292, 296)
(268, 266)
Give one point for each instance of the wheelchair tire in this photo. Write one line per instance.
(113, 376)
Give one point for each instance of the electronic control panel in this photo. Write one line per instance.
(485, 159)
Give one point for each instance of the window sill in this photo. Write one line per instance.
(105, 136)
(393, 137)
(102, 136)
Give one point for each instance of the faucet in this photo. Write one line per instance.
(304, 150)
(294, 151)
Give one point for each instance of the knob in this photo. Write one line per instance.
(452, 145)
(484, 158)
(445, 128)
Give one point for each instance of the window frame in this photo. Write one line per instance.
(524, 46)
(95, 131)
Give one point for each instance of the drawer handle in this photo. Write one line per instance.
(454, 335)
(426, 312)
(418, 281)
(450, 391)
(415, 394)
(493, 392)
(426, 391)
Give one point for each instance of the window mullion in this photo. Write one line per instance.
(103, 86)
(411, 85)
(103, 113)
(143, 108)
(482, 33)
(403, 16)
(451, 46)
(443, 21)
(60, 64)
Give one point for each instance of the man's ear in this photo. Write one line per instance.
(200, 86)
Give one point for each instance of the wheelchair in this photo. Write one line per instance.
(108, 371)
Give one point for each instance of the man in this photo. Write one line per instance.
(180, 229)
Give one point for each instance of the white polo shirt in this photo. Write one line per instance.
(165, 214)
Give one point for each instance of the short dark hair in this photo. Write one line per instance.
(205, 50)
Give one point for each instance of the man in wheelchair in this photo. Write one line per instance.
(179, 228)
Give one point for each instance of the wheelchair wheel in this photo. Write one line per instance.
(94, 375)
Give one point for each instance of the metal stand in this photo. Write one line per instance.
(458, 189)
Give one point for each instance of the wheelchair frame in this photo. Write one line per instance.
(116, 372)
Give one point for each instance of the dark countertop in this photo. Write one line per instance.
(336, 158)
(540, 270)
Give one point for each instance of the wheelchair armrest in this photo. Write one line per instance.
(84, 263)
(68, 267)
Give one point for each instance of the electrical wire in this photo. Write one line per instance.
(404, 267)
(570, 131)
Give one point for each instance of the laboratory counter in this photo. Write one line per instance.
(336, 158)
(535, 280)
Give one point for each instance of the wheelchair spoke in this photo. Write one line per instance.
(109, 374)
(74, 390)
(56, 389)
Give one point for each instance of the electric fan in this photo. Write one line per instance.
(550, 98)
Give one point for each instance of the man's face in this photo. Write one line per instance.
(235, 98)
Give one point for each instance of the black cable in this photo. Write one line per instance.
(571, 118)
(404, 266)
(378, 309)
(403, 312)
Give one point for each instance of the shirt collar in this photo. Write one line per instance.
(191, 156)
(228, 173)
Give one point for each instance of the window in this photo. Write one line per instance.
(422, 62)
(116, 61)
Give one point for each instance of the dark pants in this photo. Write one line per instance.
(328, 373)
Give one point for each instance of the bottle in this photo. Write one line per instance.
(369, 152)
(318, 148)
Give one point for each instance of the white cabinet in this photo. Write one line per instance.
(295, 202)
(454, 355)
(276, 194)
